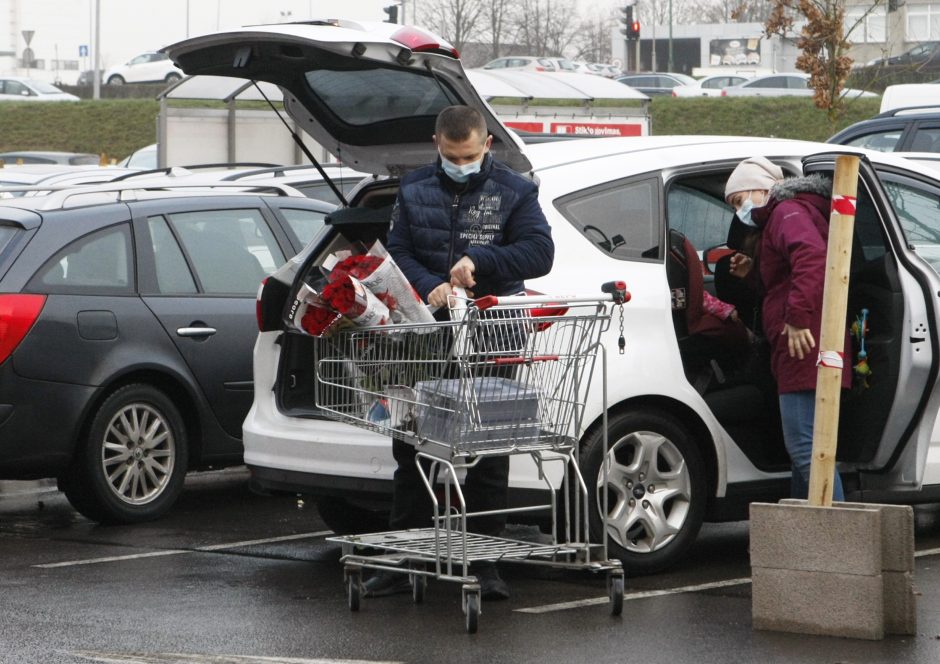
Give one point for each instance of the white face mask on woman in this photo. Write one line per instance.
(747, 206)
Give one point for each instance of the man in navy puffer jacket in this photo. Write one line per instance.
(469, 221)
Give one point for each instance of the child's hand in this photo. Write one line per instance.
(734, 315)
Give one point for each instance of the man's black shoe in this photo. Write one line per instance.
(384, 583)
(492, 585)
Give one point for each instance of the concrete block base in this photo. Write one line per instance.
(844, 570)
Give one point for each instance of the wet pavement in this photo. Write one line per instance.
(237, 578)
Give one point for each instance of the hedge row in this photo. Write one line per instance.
(118, 127)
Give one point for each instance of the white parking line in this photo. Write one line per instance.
(183, 658)
(564, 606)
(176, 552)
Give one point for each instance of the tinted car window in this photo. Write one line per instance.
(365, 97)
(918, 210)
(97, 263)
(321, 191)
(6, 236)
(925, 140)
(173, 275)
(230, 251)
(621, 219)
(884, 141)
(700, 217)
(306, 224)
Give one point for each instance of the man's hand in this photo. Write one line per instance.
(741, 265)
(438, 296)
(462, 273)
(799, 340)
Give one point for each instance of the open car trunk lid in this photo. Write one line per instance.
(367, 92)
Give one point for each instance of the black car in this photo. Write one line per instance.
(127, 321)
(923, 56)
(912, 129)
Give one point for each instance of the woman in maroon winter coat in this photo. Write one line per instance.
(793, 218)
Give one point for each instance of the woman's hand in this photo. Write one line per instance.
(800, 341)
(741, 265)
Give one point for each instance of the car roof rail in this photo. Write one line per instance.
(185, 170)
(56, 198)
(909, 110)
(278, 171)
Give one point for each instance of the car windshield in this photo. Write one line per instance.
(362, 97)
(44, 88)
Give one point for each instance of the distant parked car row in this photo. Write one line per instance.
(726, 85)
(553, 64)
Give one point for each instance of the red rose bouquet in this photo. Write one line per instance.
(352, 299)
(310, 314)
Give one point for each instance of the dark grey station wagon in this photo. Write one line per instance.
(127, 321)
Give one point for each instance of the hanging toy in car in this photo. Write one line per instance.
(859, 333)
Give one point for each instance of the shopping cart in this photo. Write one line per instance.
(505, 376)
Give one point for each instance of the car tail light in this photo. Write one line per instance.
(724, 93)
(17, 315)
(418, 40)
(540, 69)
(269, 304)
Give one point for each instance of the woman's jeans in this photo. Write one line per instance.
(797, 410)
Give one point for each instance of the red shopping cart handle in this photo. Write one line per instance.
(617, 290)
(501, 361)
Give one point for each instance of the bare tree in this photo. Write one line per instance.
(457, 21)
(823, 42)
(497, 12)
(545, 27)
(591, 41)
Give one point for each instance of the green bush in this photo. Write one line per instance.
(780, 117)
(114, 128)
(117, 127)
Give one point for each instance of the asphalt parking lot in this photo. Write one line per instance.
(237, 578)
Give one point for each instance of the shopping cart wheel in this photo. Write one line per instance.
(472, 611)
(353, 588)
(615, 592)
(419, 583)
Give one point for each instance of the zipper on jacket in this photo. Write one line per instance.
(454, 215)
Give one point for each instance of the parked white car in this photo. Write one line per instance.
(17, 88)
(150, 67)
(525, 62)
(694, 435)
(710, 86)
(783, 85)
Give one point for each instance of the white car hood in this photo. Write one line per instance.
(356, 88)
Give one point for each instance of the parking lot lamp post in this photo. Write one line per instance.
(96, 77)
(670, 36)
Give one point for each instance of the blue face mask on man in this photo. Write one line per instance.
(460, 174)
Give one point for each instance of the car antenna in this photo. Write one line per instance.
(304, 148)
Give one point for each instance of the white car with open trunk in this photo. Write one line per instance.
(694, 434)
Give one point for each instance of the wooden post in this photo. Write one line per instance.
(832, 334)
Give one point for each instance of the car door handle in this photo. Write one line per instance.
(195, 331)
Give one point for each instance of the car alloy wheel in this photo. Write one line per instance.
(132, 461)
(655, 489)
(138, 453)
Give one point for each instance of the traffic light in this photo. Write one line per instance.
(633, 31)
(627, 20)
(392, 11)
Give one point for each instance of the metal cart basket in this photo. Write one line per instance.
(505, 376)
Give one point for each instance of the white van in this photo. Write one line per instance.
(910, 94)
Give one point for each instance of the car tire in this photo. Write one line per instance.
(652, 526)
(131, 464)
(346, 518)
(172, 77)
(116, 80)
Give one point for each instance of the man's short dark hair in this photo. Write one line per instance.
(456, 123)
